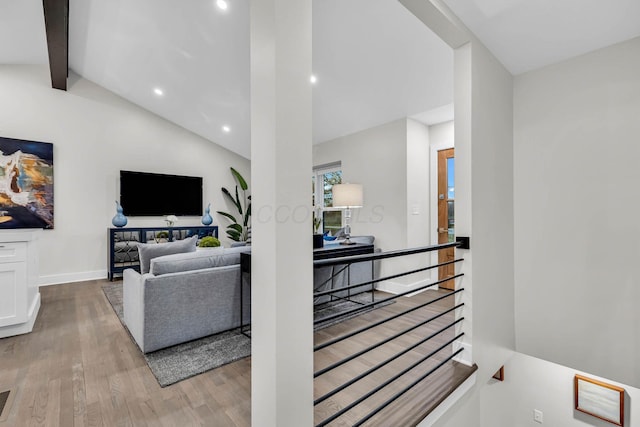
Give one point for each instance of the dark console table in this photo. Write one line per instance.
(335, 250)
(123, 243)
(330, 250)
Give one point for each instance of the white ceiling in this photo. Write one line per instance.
(22, 33)
(375, 61)
(529, 34)
(197, 55)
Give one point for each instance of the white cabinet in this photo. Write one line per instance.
(13, 304)
(19, 296)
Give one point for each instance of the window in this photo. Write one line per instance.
(324, 178)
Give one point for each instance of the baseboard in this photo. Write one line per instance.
(26, 327)
(466, 356)
(448, 403)
(57, 279)
(398, 288)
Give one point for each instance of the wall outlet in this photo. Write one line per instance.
(537, 416)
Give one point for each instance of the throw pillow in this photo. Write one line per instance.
(148, 251)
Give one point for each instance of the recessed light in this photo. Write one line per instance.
(226, 128)
(313, 79)
(222, 4)
(158, 91)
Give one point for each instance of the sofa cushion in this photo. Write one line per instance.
(192, 261)
(237, 249)
(149, 251)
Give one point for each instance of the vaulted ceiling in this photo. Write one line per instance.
(529, 34)
(375, 62)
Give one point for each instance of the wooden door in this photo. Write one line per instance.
(446, 196)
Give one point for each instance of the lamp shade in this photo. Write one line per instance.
(347, 196)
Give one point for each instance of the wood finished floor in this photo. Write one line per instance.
(79, 367)
(410, 408)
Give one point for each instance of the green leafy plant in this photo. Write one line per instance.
(238, 230)
(317, 219)
(209, 242)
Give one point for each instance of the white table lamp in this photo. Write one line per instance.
(347, 196)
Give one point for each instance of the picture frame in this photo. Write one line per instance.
(599, 399)
(499, 375)
(26, 184)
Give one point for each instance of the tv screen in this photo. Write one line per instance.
(151, 194)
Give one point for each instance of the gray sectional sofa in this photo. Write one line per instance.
(185, 296)
(179, 297)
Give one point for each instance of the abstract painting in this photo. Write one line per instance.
(599, 399)
(26, 184)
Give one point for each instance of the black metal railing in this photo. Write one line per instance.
(343, 264)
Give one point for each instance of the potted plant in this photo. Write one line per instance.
(162, 236)
(208, 242)
(318, 241)
(239, 231)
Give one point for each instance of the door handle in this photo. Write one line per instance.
(443, 230)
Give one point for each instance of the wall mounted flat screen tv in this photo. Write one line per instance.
(152, 194)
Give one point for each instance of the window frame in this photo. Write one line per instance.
(318, 194)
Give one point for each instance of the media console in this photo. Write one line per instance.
(123, 243)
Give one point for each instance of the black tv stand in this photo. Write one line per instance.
(123, 243)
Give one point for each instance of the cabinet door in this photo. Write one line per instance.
(13, 251)
(13, 293)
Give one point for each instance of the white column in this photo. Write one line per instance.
(464, 190)
(282, 279)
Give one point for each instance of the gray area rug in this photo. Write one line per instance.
(173, 364)
(182, 361)
(179, 362)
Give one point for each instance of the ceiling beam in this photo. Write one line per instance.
(439, 18)
(56, 21)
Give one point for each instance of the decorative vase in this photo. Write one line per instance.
(206, 218)
(119, 220)
(318, 241)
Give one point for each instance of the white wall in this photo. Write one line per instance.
(95, 135)
(532, 383)
(442, 134)
(492, 210)
(577, 231)
(392, 163)
(418, 178)
(484, 198)
(375, 158)
(418, 196)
